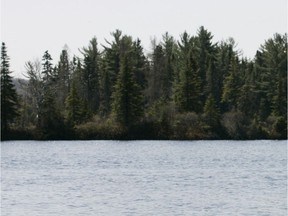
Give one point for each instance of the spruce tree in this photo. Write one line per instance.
(50, 121)
(211, 112)
(105, 90)
(249, 100)
(140, 64)
(206, 54)
(231, 87)
(224, 56)
(127, 98)
(47, 69)
(9, 101)
(74, 107)
(63, 79)
(211, 80)
(156, 77)
(275, 61)
(170, 48)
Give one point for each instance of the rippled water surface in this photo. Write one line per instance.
(144, 178)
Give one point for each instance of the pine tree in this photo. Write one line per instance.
(271, 77)
(127, 98)
(110, 66)
(91, 76)
(187, 88)
(275, 56)
(112, 56)
(9, 101)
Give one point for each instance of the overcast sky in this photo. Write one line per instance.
(29, 27)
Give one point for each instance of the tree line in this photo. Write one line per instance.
(190, 88)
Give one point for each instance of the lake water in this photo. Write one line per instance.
(144, 178)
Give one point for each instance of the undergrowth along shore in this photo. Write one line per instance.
(183, 127)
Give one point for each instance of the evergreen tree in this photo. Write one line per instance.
(91, 76)
(127, 104)
(47, 69)
(112, 56)
(231, 86)
(140, 64)
(202, 78)
(74, 107)
(187, 88)
(105, 90)
(76, 76)
(211, 112)
(212, 86)
(263, 105)
(50, 121)
(156, 80)
(63, 79)
(9, 100)
(271, 77)
(110, 66)
(275, 63)
(169, 48)
(225, 53)
(249, 100)
(206, 54)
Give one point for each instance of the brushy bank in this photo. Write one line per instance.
(188, 126)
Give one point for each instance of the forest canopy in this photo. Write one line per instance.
(185, 88)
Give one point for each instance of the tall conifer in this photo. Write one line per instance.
(9, 101)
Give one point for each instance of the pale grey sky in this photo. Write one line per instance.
(29, 27)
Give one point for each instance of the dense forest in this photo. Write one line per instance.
(190, 88)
